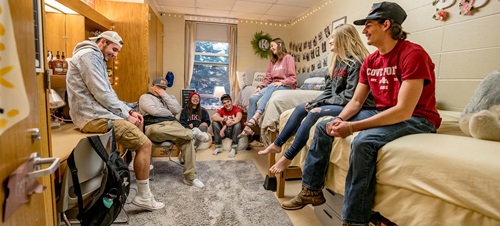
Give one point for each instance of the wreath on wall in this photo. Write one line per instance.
(261, 44)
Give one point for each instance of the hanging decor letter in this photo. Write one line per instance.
(261, 44)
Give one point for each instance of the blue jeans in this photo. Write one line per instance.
(360, 181)
(264, 95)
(295, 125)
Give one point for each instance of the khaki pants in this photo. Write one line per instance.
(126, 134)
(175, 132)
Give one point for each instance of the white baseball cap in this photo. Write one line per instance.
(110, 36)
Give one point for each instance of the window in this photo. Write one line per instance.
(211, 69)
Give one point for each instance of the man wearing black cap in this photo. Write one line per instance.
(400, 75)
(226, 123)
(159, 110)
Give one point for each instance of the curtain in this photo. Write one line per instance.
(190, 47)
(233, 44)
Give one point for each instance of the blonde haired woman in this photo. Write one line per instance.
(348, 54)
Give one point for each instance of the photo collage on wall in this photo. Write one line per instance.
(313, 53)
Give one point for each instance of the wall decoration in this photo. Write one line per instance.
(261, 44)
(325, 61)
(315, 41)
(320, 36)
(338, 22)
(309, 44)
(441, 14)
(312, 54)
(316, 50)
(442, 4)
(327, 31)
(323, 47)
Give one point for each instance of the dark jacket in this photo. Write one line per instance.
(340, 86)
(194, 119)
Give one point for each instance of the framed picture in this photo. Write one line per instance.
(338, 22)
(327, 31)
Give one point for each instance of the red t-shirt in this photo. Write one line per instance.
(385, 73)
(228, 114)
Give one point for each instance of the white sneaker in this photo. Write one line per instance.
(131, 167)
(232, 153)
(196, 183)
(217, 151)
(202, 136)
(148, 202)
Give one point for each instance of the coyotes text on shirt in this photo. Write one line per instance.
(380, 75)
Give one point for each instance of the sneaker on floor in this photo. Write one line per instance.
(148, 202)
(196, 183)
(232, 153)
(131, 167)
(217, 151)
(202, 136)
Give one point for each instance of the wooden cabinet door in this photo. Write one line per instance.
(16, 142)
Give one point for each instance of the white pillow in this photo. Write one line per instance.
(258, 78)
(239, 77)
(315, 80)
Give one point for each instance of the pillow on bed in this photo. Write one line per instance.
(249, 74)
(315, 83)
(240, 77)
(319, 73)
(258, 78)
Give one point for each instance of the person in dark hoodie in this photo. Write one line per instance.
(93, 103)
(195, 116)
(348, 54)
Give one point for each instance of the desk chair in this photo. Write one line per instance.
(90, 174)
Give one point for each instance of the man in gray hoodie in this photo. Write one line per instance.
(93, 103)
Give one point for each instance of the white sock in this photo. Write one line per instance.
(143, 188)
(232, 153)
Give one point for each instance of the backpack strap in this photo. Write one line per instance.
(99, 148)
(76, 182)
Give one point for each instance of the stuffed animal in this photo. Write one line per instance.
(481, 117)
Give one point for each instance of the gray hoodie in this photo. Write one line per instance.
(90, 95)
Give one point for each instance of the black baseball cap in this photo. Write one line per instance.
(225, 96)
(384, 10)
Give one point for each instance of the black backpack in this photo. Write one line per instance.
(106, 204)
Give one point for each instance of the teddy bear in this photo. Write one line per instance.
(481, 117)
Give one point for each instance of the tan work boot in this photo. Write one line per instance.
(306, 196)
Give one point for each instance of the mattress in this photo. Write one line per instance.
(424, 179)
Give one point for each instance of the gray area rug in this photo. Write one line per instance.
(233, 195)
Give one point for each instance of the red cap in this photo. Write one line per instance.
(192, 94)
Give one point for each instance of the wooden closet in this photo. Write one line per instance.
(141, 58)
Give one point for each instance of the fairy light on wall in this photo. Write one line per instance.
(311, 12)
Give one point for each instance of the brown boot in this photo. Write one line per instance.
(306, 196)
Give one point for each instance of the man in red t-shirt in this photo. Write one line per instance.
(400, 75)
(226, 123)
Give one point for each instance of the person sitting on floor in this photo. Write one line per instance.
(195, 116)
(348, 54)
(226, 123)
(159, 108)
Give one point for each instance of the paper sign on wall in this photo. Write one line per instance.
(14, 105)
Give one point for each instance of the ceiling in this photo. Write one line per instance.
(263, 10)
